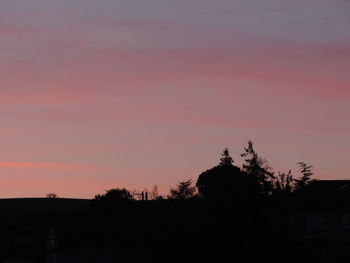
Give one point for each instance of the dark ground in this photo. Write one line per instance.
(70, 230)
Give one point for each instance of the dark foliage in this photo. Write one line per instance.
(226, 159)
(306, 173)
(51, 195)
(227, 182)
(283, 183)
(184, 190)
(115, 195)
(259, 168)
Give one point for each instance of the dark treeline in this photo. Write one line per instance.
(227, 182)
(231, 213)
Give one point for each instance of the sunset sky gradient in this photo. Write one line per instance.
(100, 94)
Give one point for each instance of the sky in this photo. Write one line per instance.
(108, 93)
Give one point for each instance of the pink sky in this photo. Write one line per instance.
(102, 94)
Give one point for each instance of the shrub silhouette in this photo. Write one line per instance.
(115, 195)
(52, 196)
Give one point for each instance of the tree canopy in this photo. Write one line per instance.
(184, 190)
(258, 167)
(306, 173)
(226, 181)
(115, 195)
(284, 183)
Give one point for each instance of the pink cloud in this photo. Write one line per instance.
(7, 31)
(50, 166)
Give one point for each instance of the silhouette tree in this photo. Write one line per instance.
(256, 166)
(226, 181)
(114, 195)
(137, 194)
(283, 182)
(154, 194)
(226, 158)
(306, 173)
(184, 190)
(51, 195)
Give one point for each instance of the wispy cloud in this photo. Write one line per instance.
(51, 166)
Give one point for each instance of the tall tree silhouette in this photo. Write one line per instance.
(284, 182)
(226, 158)
(256, 166)
(184, 190)
(154, 194)
(306, 173)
